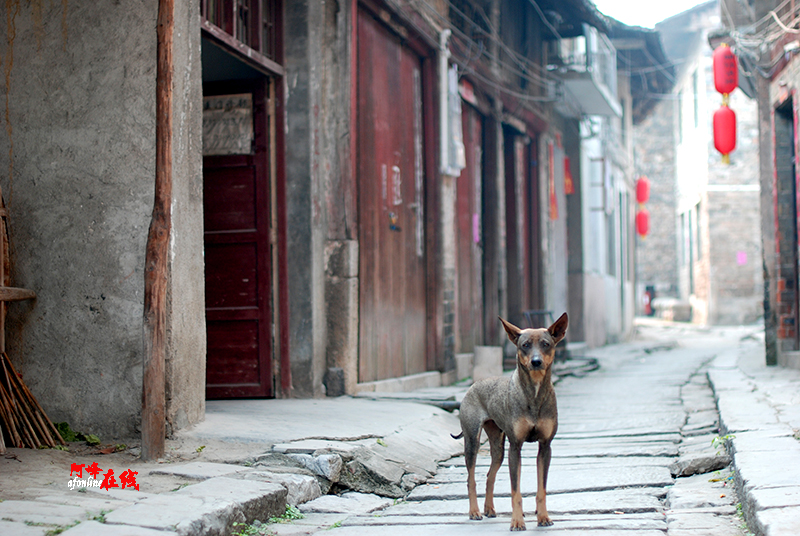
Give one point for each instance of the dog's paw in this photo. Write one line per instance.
(475, 516)
(545, 521)
(517, 524)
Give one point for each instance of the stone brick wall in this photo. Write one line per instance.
(782, 92)
(734, 238)
(654, 157)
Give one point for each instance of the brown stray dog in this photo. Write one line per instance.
(522, 408)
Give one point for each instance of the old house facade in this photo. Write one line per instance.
(764, 37)
(704, 267)
(360, 189)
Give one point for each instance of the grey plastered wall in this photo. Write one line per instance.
(186, 338)
(306, 216)
(81, 109)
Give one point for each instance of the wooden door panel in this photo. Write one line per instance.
(233, 347)
(392, 325)
(238, 271)
(469, 280)
(236, 284)
(236, 186)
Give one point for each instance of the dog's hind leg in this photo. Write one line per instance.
(472, 442)
(497, 443)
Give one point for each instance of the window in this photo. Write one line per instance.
(696, 99)
(252, 23)
(699, 235)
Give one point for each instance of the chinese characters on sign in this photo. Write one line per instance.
(127, 478)
(227, 124)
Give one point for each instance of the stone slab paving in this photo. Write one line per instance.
(561, 480)
(36, 513)
(95, 528)
(200, 470)
(21, 529)
(621, 429)
(758, 408)
(210, 507)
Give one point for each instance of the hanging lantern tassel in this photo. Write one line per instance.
(642, 222)
(725, 132)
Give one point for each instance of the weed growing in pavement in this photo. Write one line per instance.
(720, 443)
(742, 522)
(60, 529)
(796, 434)
(292, 513)
(69, 435)
(101, 517)
(257, 528)
(335, 525)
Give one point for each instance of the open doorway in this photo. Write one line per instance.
(241, 182)
(786, 219)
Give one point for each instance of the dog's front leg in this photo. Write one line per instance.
(542, 468)
(514, 468)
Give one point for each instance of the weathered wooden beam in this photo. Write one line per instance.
(16, 294)
(156, 255)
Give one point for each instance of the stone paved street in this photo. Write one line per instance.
(639, 451)
(621, 428)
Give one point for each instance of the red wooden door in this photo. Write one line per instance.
(469, 280)
(237, 258)
(392, 316)
(518, 214)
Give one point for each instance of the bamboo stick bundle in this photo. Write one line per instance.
(22, 418)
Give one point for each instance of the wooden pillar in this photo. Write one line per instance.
(156, 256)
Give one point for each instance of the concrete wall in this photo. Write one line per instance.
(303, 22)
(78, 161)
(186, 328)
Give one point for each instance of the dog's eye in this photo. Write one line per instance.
(526, 344)
(545, 345)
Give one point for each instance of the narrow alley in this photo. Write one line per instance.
(622, 430)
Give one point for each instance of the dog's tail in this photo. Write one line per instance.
(459, 436)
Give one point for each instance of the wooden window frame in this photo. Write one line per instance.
(251, 51)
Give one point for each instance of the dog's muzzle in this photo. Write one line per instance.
(536, 362)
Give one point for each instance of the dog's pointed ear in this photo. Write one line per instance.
(512, 330)
(559, 328)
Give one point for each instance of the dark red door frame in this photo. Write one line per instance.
(242, 232)
(276, 70)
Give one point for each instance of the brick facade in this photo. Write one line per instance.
(654, 157)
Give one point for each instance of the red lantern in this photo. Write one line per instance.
(724, 131)
(642, 190)
(726, 70)
(643, 222)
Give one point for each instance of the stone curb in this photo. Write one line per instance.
(765, 453)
